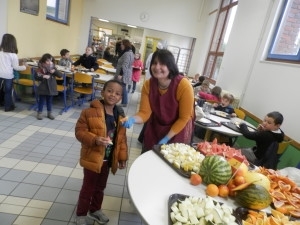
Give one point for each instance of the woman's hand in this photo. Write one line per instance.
(92, 69)
(119, 77)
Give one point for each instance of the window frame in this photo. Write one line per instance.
(281, 57)
(57, 9)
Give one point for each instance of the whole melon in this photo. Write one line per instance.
(254, 197)
(215, 170)
(258, 178)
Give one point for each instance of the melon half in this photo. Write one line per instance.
(258, 178)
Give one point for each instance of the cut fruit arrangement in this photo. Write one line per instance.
(195, 210)
(262, 218)
(182, 156)
(224, 150)
(285, 192)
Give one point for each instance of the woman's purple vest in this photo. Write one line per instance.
(165, 111)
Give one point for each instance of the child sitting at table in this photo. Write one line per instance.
(267, 136)
(215, 96)
(225, 104)
(65, 58)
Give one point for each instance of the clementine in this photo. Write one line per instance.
(223, 191)
(195, 179)
(238, 180)
(212, 190)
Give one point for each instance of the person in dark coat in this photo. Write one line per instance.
(87, 60)
(47, 87)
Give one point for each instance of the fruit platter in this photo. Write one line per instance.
(266, 196)
(195, 210)
(183, 158)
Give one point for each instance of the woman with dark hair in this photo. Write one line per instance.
(124, 69)
(167, 104)
(8, 62)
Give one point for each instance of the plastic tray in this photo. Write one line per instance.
(180, 197)
(187, 174)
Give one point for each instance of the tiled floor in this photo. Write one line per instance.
(40, 177)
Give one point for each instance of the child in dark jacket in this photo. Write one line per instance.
(225, 104)
(87, 60)
(47, 88)
(103, 146)
(268, 133)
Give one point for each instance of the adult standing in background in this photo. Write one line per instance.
(8, 62)
(124, 69)
(118, 50)
(167, 104)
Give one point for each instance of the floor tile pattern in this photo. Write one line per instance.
(40, 177)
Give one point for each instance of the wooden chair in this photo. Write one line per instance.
(84, 85)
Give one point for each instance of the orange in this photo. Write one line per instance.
(195, 179)
(223, 191)
(238, 180)
(212, 190)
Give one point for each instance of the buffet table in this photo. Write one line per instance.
(150, 183)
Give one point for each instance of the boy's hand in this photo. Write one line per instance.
(103, 141)
(260, 127)
(122, 164)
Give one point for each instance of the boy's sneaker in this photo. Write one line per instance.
(81, 220)
(98, 216)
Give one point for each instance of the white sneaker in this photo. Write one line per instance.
(98, 216)
(81, 220)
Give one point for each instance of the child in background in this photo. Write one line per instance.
(87, 60)
(65, 58)
(225, 104)
(103, 145)
(204, 87)
(267, 133)
(8, 62)
(137, 68)
(215, 95)
(47, 88)
(199, 80)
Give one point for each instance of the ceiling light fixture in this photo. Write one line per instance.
(131, 26)
(103, 20)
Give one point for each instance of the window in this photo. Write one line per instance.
(58, 10)
(219, 40)
(286, 39)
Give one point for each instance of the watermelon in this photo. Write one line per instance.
(254, 197)
(215, 170)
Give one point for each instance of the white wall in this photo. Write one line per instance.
(263, 86)
(3, 18)
(171, 16)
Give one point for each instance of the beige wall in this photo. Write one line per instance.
(36, 35)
